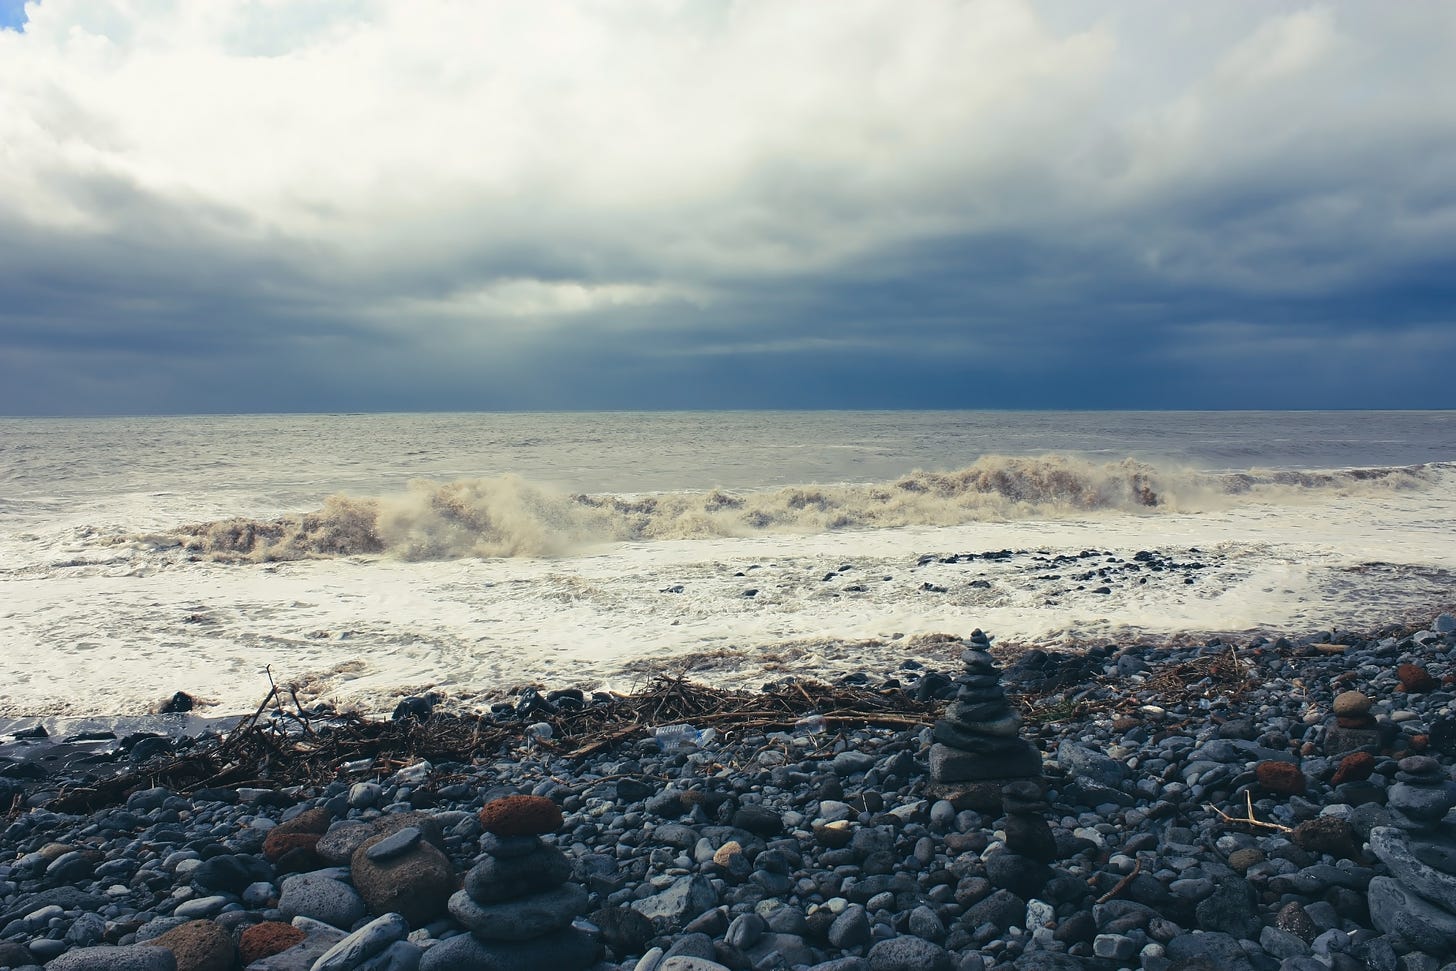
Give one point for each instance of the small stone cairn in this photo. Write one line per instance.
(979, 761)
(518, 900)
(1416, 905)
(977, 745)
(1355, 729)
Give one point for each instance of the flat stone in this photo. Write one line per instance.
(509, 847)
(522, 918)
(394, 844)
(497, 878)
(1393, 847)
(371, 939)
(1420, 802)
(1007, 725)
(1412, 924)
(989, 746)
(949, 764)
(571, 950)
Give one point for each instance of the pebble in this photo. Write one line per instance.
(842, 860)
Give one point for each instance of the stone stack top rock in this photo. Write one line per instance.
(520, 816)
(1352, 704)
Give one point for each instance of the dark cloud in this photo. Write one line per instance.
(1268, 220)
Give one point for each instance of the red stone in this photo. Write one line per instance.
(1280, 778)
(267, 939)
(1355, 767)
(520, 816)
(1415, 679)
(314, 820)
(277, 845)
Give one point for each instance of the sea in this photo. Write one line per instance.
(358, 558)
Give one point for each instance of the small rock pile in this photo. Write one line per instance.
(1354, 729)
(1416, 904)
(518, 901)
(977, 746)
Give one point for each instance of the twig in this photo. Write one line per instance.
(1250, 820)
(1137, 866)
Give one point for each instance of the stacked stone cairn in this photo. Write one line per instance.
(1416, 904)
(977, 749)
(1355, 729)
(979, 761)
(518, 900)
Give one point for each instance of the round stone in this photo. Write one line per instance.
(1350, 704)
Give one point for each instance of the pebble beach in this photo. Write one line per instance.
(1265, 804)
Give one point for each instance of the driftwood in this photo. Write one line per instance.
(280, 745)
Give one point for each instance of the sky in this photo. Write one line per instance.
(367, 205)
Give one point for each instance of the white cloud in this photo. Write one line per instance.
(501, 160)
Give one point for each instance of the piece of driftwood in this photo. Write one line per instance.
(280, 745)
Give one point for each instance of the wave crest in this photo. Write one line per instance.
(508, 516)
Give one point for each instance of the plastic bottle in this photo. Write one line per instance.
(672, 737)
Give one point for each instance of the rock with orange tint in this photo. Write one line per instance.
(1415, 679)
(199, 945)
(1355, 767)
(267, 939)
(314, 820)
(298, 836)
(1280, 778)
(520, 816)
(278, 845)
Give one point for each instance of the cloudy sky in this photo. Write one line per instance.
(323, 205)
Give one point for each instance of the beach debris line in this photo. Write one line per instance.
(282, 744)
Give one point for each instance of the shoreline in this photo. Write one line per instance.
(1200, 803)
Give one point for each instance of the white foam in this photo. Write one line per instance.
(124, 627)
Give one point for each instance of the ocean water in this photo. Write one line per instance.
(362, 557)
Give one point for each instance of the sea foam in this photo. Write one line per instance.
(507, 516)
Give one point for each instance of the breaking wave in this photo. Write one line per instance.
(509, 516)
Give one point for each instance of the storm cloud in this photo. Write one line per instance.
(299, 205)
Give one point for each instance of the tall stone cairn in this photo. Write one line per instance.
(1416, 904)
(519, 900)
(977, 747)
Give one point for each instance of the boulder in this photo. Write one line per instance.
(416, 884)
